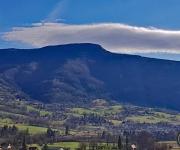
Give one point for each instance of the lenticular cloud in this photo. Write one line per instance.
(115, 37)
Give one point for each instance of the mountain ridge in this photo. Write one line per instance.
(85, 44)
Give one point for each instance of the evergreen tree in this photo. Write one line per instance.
(45, 147)
(67, 130)
(119, 143)
(24, 146)
(103, 135)
(14, 129)
(50, 133)
(127, 142)
(27, 132)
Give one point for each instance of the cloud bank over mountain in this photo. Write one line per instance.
(119, 38)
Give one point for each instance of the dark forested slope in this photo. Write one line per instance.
(77, 73)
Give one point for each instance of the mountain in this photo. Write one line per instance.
(79, 73)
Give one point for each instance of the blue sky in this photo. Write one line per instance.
(161, 14)
(158, 13)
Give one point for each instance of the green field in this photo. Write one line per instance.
(156, 118)
(22, 127)
(144, 119)
(42, 112)
(31, 129)
(71, 145)
(102, 111)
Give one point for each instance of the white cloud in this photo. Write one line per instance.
(118, 38)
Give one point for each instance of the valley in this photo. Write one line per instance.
(99, 116)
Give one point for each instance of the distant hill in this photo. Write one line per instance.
(79, 73)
